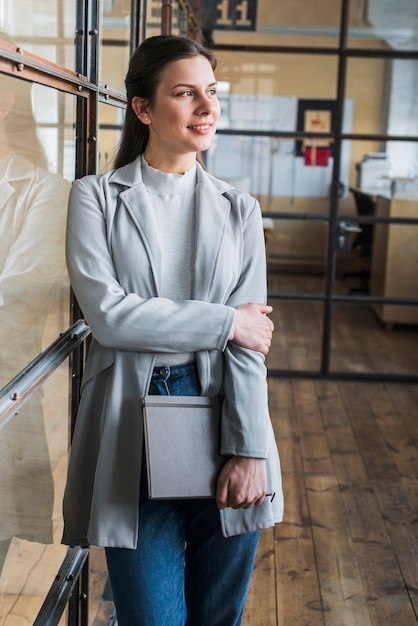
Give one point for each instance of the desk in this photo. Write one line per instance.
(394, 267)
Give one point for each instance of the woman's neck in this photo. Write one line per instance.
(170, 164)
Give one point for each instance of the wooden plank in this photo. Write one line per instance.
(311, 432)
(349, 348)
(298, 592)
(401, 516)
(378, 558)
(261, 604)
(403, 450)
(299, 595)
(377, 458)
(342, 442)
(343, 594)
(21, 610)
(405, 400)
(296, 513)
(282, 410)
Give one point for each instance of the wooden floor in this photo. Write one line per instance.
(347, 551)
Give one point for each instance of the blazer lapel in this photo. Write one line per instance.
(137, 203)
(212, 211)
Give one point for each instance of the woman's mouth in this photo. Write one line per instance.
(200, 128)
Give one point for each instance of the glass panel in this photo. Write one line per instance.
(384, 95)
(154, 17)
(100, 599)
(370, 169)
(384, 23)
(269, 92)
(37, 137)
(296, 249)
(110, 126)
(33, 461)
(44, 27)
(285, 75)
(289, 23)
(37, 163)
(385, 168)
(361, 343)
(298, 327)
(114, 44)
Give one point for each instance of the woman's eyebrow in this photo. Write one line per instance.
(192, 85)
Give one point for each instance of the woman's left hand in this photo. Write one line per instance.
(242, 483)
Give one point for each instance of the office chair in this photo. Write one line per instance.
(363, 241)
(365, 207)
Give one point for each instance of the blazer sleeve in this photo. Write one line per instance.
(246, 422)
(123, 320)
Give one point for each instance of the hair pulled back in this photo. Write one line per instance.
(145, 68)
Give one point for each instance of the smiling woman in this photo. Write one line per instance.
(183, 115)
(168, 265)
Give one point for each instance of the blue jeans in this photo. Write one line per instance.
(183, 571)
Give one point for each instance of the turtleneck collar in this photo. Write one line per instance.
(163, 183)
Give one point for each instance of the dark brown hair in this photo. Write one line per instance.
(145, 68)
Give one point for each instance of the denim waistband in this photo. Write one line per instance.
(164, 372)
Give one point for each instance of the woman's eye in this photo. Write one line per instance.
(185, 93)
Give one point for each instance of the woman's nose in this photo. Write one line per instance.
(208, 104)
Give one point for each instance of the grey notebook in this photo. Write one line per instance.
(182, 446)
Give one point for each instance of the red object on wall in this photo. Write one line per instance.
(317, 156)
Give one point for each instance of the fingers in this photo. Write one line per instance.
(242, 483)
(252, 327)
(238, 500)
(222, 495)
(241, 500)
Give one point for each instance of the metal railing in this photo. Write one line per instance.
(16, 392)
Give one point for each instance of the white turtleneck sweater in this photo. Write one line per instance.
(173, 200)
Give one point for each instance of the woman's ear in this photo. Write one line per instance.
(139, 106)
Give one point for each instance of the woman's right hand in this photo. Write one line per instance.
(252, 328)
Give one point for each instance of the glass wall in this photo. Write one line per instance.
(285, 80)
(37, 135)
(46, 28)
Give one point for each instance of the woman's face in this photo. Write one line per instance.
(183, 116)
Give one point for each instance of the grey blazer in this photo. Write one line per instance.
(113, 261)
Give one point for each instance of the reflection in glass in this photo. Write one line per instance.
(114, 48)
(33, 310)
(31, 449)
(43, 27)
(110, 127)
